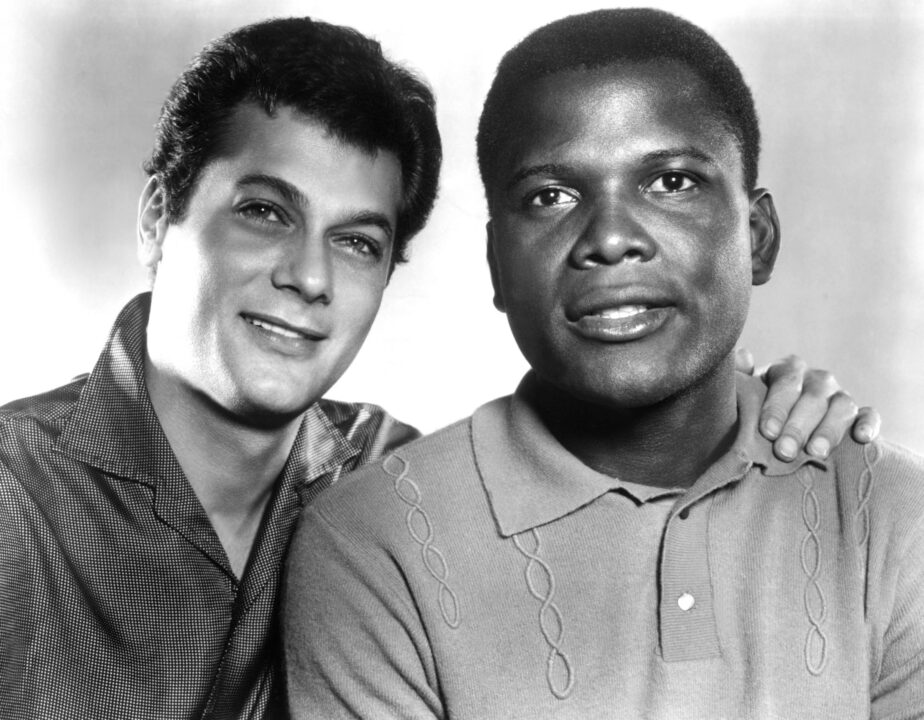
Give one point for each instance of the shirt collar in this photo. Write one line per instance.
(321, 447)
(114, 426)
(532, 480)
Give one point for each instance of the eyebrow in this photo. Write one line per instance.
(291, 193)
(678, 153)
(295, 196)
(365, 217)
(688, 151)
(532, 170)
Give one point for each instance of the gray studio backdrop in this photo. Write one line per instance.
(838, 87)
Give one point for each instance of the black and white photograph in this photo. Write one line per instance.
(468, 361)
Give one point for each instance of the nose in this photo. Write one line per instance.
(307, 269)
(613, 234)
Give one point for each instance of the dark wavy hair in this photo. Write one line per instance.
(331, 73)
(609, 37)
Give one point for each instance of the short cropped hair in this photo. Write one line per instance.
(609, 37)
(330, 73)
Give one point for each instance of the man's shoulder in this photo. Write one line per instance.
(45, 413)
(881, 458)
(430, 460)
(390, 505)
(30, 430)
(883, 480)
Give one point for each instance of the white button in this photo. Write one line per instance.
(686, 601)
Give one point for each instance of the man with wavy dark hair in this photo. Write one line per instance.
(145, 509)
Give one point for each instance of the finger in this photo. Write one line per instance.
(821, 401)
(784, 379)
(867, 425)
(808, 413)
(744, 361)
(841, 413)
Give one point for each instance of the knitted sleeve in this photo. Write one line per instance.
(354, 644)
(898, 692)
(896, 591)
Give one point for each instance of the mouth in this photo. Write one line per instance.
(619, 315)
(620, 312)
(278, 328)
(624, 323)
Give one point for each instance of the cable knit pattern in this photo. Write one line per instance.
(549, 614)
(871, 455)
(433, 559)
(573, 590)
(816, 644)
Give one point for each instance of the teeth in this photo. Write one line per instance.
(622, 311)
(274, 328)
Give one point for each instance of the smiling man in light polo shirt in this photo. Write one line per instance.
(616, 539)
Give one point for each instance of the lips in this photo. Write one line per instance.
(283, 331)
(619, 314)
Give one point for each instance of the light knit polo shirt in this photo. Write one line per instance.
(484, 572)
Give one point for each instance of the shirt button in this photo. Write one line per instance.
(686, 601)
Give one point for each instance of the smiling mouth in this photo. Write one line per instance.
(282, 330)
(622, 323)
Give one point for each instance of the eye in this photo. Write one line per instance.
(263, 212)
(360, 245)
(550, 197)
(672, 182)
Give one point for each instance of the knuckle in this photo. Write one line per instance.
(824, 381)
(795, 432)
(773, 413)
(844, 402)
(796, 362)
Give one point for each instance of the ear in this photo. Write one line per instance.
(765, 236)
(152, 224)
(495, 274)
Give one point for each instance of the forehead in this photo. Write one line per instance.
(301, 149)
(251, 131)
(613, 110)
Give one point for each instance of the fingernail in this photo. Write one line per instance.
(772, 426)
(819, 447)
(788, 447)
(864, 433)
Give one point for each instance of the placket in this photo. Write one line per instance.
(687, 616)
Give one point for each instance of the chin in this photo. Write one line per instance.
(268, 410)
(625, 388)
(631, 397)
(268, 417)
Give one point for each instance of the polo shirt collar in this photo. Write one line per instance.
(532, 480)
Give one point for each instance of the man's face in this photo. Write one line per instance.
(621, 233)
(268, 286)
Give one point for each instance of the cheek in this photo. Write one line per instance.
(527, 276)
(359, 296)
(722, 256)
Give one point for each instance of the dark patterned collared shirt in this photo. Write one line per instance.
(117, 599)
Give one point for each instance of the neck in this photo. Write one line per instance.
(668, 444)
(231, 466)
